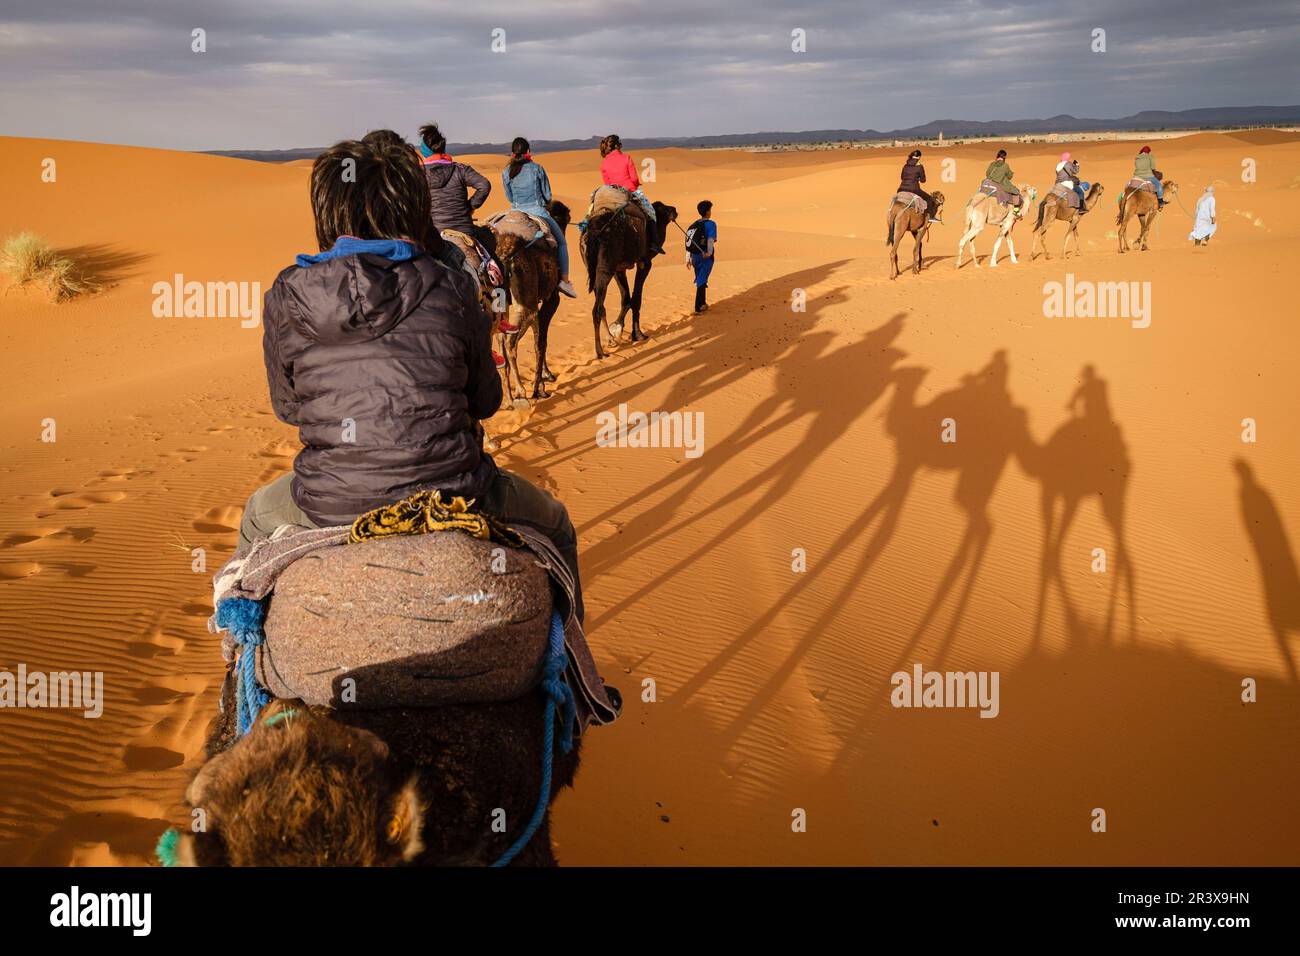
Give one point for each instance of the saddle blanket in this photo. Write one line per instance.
(911, 200)
(609, 199)
(1064, 192)
(478, 263)
(516, 222)
(408, 620)
(990, 188)
(1136, 184)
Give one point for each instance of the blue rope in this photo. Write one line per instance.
(558, 694)
(243, 618)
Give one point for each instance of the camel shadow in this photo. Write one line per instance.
(695, 365)
(866, 361)
(1277, 563)
(1085, 457)
(989, 431)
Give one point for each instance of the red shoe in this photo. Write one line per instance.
(499, 359)
(508, 328)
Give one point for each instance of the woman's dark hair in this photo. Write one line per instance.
(914, 154)
(373, 188)
(609, 144)
(519, 150)
(1002, 154)
(433, 137)
(385, 137)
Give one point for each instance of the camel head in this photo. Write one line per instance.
(664, 212)
(560, 213)
(1170, 187)
(938, 201)
(302, 790)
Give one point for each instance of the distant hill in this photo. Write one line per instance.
(1222, 117)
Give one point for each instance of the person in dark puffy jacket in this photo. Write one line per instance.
(456, 190)
(380, 354)
(910, 179)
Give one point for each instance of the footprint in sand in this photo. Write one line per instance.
(19, 570)
(159, 693)
(43, 534)
(141, 757)
(187, 455)
(71, 499)
(198, 607)
(222, 519)
(157, 643)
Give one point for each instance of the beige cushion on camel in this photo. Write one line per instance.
(608, 199)
(514, 222)
(416, 621)
(910, 199)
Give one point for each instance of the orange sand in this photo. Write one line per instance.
(773, 687)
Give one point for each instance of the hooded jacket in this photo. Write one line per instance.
(449, 185)
(385, 366)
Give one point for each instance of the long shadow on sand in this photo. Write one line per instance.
(1277, 564)
(701, 362)
(104, 264)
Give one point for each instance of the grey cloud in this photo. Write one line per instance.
(279, 75)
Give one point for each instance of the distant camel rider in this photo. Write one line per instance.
(450, 200)
(529, 190)
(999, 173)
(617, 169)
(1144, 167)
(450, 183)
(910, 180)
(1067, 173)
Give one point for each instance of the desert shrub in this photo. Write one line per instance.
(29, 260)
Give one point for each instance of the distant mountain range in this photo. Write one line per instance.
(1223, 117)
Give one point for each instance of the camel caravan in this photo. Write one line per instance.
(408, 680)
(1001, 203)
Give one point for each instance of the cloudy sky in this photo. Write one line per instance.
(290, 73)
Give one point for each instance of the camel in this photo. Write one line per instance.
(420, 786)
(1085, 456)
(1141, 203)
(1062, 210)
(615, 241)
(982, 210)
(532, 275)
(909, 217)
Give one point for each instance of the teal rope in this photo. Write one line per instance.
(558, 695)
(243, 617)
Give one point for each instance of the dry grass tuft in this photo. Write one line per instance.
(29, 260)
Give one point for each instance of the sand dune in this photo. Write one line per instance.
(773, 686)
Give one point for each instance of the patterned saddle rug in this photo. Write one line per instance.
(1064, 193)
(478, 263)
(1135, 185)
(909, 200)
(995, 191)
(515, 222)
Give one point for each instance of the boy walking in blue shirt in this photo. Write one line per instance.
(700, 241)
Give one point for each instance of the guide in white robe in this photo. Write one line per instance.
(1205, 224)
